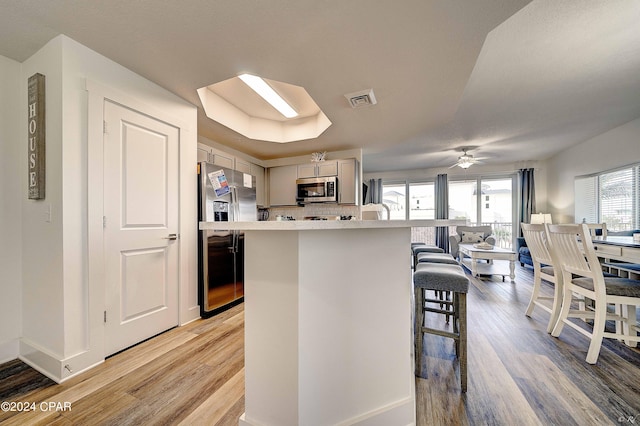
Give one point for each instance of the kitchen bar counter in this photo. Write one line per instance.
(328, 322)
(309, 225)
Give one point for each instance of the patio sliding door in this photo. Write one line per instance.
(486, 201)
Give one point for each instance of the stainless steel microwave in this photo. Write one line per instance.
(317, 190)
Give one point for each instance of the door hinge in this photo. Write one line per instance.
(105, 317)
(104, 126)
(104, 221)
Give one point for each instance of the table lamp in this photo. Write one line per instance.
(538, 218)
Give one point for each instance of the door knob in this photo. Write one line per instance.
(171, 237)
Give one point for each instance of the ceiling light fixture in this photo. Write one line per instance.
(465, 161)
(268, 94)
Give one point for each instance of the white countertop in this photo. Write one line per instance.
(309, 225)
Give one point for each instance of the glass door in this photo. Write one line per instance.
(485, 201)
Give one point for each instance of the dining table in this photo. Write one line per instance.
(618, 248)
(621, 256)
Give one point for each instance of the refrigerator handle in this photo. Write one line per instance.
(235, 202)
(235, 241)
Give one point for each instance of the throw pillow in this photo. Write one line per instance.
(472, 237)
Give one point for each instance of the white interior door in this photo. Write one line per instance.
(140, 214)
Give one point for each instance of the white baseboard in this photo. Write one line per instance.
(54, 368)
(398, 413)
(40, 360)
(192, 314)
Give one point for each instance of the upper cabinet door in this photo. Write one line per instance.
(306, 170)
(282, 185)
(327, 168)
(348, 182)
(243, 166)
(258, 172)
(203, 153)
(323, 169)
(223, 160)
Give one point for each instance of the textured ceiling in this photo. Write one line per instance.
(519, 80)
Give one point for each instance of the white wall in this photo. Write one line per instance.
(42, 271)
(615, 148)
(10, 207)
(61, 323)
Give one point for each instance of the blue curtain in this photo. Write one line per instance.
(442, 211)
(374, 193)
(527, 196)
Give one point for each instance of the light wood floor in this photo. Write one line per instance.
(518, 374)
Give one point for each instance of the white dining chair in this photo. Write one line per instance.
(543, 269)
(597, 229)
(572, 250)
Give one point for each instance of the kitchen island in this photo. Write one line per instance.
(328, 322)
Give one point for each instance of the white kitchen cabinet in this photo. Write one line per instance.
(348, 182)
(204, 152)
(306, 170)
(323, 169)
(213, 156)
(223, 159)
(242, 165)
(258, 172)
(282, 185)
(327, 168)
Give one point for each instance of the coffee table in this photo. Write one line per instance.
(468, 255)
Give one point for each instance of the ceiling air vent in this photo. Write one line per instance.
(361, 98)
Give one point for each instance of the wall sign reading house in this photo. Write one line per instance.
(36, 151)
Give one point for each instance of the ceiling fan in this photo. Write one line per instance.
(466, 160)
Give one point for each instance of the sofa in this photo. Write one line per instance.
(470, 235)
(524, 255)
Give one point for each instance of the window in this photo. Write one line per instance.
(394, 196)
(422, 204)
(416, 200)
(418, 204)
(466, 202)
(610, 197)
(462, 200)
(500, 210)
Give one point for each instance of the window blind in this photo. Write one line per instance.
(586, 199)
(616, 199)
(611, 197)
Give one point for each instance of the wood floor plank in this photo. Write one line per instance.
(491, 381)
(518, 374)
(443, 408)
(102, 375)
(17, 378)
(216, 406)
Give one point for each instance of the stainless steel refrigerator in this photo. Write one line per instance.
(223, 195)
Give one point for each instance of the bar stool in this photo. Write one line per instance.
(427, 257)
(423, 248)
(442, 277)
